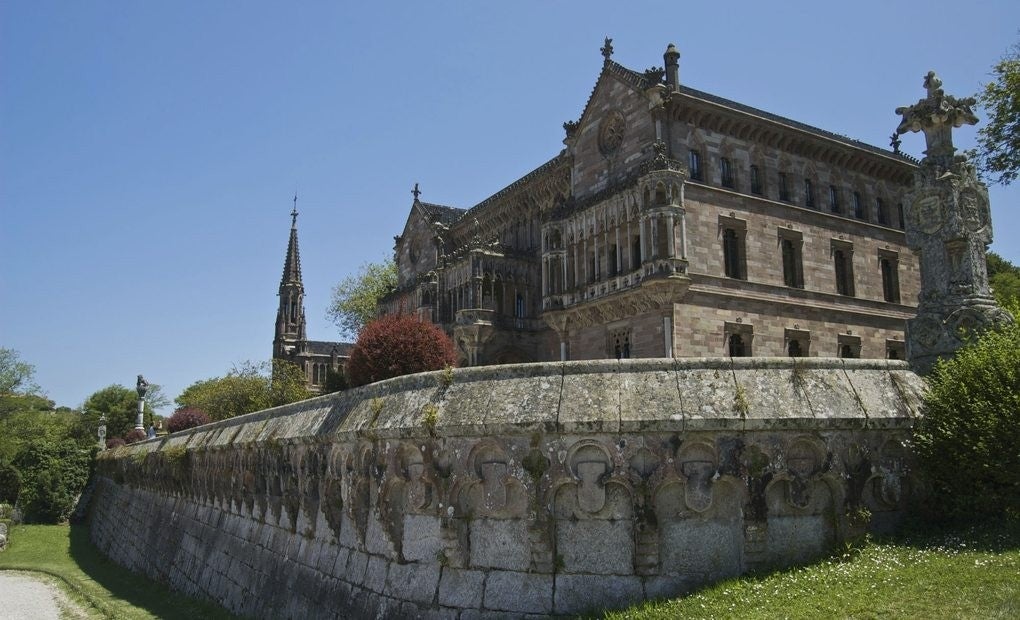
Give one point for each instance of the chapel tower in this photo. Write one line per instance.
(290, 317)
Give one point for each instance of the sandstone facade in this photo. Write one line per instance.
(674, 224)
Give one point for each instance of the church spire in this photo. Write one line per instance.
(292, 263)
(290, 318)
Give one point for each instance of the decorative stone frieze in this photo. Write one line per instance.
(516, 489)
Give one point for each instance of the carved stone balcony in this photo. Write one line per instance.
(655, 268)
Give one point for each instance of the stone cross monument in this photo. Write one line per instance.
(948, 225)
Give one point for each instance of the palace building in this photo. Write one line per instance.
(674, 223)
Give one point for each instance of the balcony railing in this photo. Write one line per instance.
(652, 268)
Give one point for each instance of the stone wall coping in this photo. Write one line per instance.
(591, 396)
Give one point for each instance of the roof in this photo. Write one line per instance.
(641, 81)
(440, 213)
(320, 347)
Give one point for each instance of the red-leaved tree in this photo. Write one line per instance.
(134, 435)
(185, 418)
(395, 345)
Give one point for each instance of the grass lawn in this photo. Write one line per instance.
(103, 588)
(969, 572)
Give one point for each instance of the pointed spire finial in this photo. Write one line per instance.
(416, 192)
(607, 49)
(294, 214)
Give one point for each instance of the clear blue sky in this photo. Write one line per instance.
(149, 151)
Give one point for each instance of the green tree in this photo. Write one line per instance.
(1004, 278)
(967, 440)
(120, 404)
(250, 387)
(53, 474)
(16, 376)
(355, 299)
(45, 456)
(998, 151)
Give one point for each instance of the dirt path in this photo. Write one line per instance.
(28, 596)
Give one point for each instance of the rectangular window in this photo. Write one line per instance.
(833, 199)
(798, 342)
(618, 344)
(809, 194)
(635, 253)
(784, 188)
(756, 184)
(883, 217)
(726, 171)
(793, 269)
(843, 263)
(895, 350)
(733, 250)
(899, 216)
(858, 206)
(738, 338)
(888, 264)
(848, 346)
(695, 165)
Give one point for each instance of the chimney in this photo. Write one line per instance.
(672, 58)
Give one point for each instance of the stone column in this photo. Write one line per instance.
(948, 224)
(670, 237)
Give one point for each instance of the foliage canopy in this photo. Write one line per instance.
(250, 387)
(16, 376)
(395, 345)
(120, 404)
(185, 418)
(967, 440)
(998, 151)
(355, 298)
(1004, 278)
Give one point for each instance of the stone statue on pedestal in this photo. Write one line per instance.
(948, 225)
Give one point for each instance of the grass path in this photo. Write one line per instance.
(103, 588)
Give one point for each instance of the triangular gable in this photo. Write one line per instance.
(616, 72)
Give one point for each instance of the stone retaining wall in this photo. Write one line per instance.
(514, 490)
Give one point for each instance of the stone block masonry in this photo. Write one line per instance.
(516, 491)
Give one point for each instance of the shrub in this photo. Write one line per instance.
(53, 475)
(396, 345)
(10, 483)
(185, 418)
(134, 435)
(968, 438)
(115, 442)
